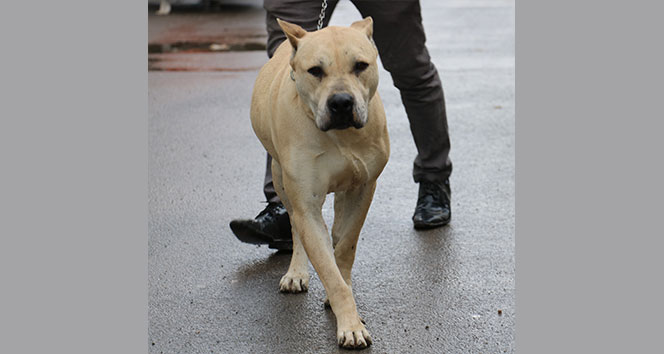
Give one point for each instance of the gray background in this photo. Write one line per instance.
(74, 183)
(73, 186)
(589, 177)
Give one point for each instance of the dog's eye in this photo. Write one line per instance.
(316, 71)
(360, 66)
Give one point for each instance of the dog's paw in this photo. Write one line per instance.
(294, 283)
(354, 338)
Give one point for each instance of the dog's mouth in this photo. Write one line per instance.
(341, 122)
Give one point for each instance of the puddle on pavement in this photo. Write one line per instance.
(164, 64)
(155, 64)
(203, 47)
(154, 68)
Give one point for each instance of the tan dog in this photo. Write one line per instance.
(316, 110)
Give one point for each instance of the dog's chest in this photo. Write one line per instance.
(348, 168)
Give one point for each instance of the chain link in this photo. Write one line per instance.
(321, 17)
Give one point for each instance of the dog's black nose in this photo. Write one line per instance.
(340, 103)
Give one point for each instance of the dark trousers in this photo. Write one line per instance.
(400, 39)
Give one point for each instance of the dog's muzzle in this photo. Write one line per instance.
(341, 106)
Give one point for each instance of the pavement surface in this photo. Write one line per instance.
(449, 290)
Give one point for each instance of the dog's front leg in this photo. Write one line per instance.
(308, 220)
(296, 278)
(350, 211)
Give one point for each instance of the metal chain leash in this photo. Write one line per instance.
(321, 17)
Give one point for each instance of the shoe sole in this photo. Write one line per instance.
(428, 226)
(254, 237)
(281, 245)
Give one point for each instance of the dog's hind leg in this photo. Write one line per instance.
(296, 278)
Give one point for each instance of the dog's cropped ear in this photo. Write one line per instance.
(292, 31)
(365, 26)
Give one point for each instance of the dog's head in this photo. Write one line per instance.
(335, 72)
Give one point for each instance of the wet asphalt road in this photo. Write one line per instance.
(450, 290)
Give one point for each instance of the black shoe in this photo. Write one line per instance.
(433, 205)
(271, 227)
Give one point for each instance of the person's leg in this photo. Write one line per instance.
(304, 13)
(272, 225)
(400, 38)
(268, 185)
